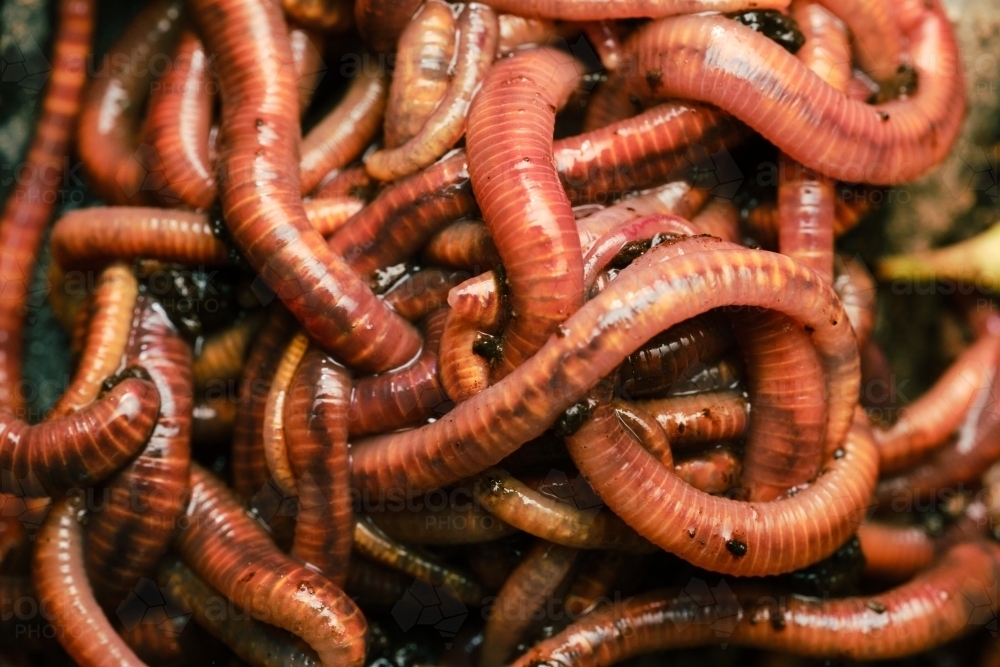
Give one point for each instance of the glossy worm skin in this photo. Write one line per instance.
(509, 143)
(465, 244)
(29, 204)
(109, 141)
(876, 32)
(529, 587)
(477, 42)
(220, 357)
(715, 471)
(420, 80)
(233, 553)
(856, 289)
(929, 610)
(895, 552)
(316, 431)
(260, 196)
(107, 334)
(794, 108)
(700, 418)
(599, 10)
(275, 442)
(628, 238)
(479, 301)
(463, 372)
(591, 344)
(422, 293)
(60, 579)
(126, 540)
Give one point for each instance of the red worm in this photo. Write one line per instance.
(381, 22)
(422, 293)
(220, 356)
(479, 301)
(593, 342)
(856, 288)
(107, 334)
(517, 32)
(109, 136)
(420, 79)
(316, 428)
(628, 239)
(275, 442)
(329, 15)
(693, 57)
(213, 421)
(523, 599)
(464, 373)
(509, 141)
(80, 449)
(715, 471)
(465, 244)
(345, 132)
(593, 581)
(895, 552)
(477, 42)
(59, 577)
(928, 421)
(234, 554)
(128, 538)
(260, 197)
(30, 203)
(464, 523)
(375, 587)
(599, 10)
(875, 30)
(402, 397)
(349, 182)
(604, 37)
(928, 611)
(700, 418)
(720, 219)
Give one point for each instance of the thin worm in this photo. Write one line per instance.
(795, 109)
(895, 552)
(316, 430)
(477, 42)
(371, 541)
(420, 80)
(493, 562)
(479, 301)
(275, 440)
(600, 10)
(929, 420)
(544, 570)
(343, 134)
(700, 418)
(465, 244)
(126, 540)
(233, 553)
(260, 198)
(381, 22)
(603, 36)
(108, 331)
(646, 429)
(623, 242)
(511, 122)
(463, 524)
(857, 290)
(30, 202)
(464, 373)
(550, 518)
(422, 293)
(716, 471)
(327, 15)
(928, 611)
(122, 169)
(591, 344)
(852, 204)
(348, 182)
(59, 578)
(221, 356)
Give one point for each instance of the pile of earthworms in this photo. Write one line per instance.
(479, 348)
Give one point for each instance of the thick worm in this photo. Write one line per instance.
(420, 80)
(479, 301)
(422, 293)
(234, 554)
(220, 358)
(691, 57)
(928, 611)
(509, 142)
(594, 341)
(623, 243)
(349, 182)
(30, 202)
(600, 10)
(316, 429)
(381, 22)
(895, 552)
(464, 372)
(700, 418)
(108, 331)
(465, 244)
(60, 579)
(518, 606)
(121, 169)
(260, 196)
(477, 42)
(126, 540)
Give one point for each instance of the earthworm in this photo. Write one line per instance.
(599, 10)
(29, 205)
(716, 470)
(629, 238)
(219, 360)
(233, 553)
(929, 610)
(108, 331)
(126, 540)
(493, 562)
(374, 586)
(479, 301)
(511, 121)
(517, 32)
(592, 582)
(381, 22)
(551, 519)
(857, 291)
(260, 197)
(121, 169)
(248, 638)
(726, 373)
(420, 80)
(316, 419)
(343, 134)
(591, 344)
(464, 373)
(795, 109)
(477, 42)
(404, 396)
(465, 244)
(700, 418)
(213, 420)
(82, 448)
(544, 570)
(663, 360)
(371, 541)
(462, 524)
(876, 34)
(646, 429)
(895, 552)
(420, 294)
(718, 218)
(275, 440)
(785, 441)
(929, 420)
(851, 205)
(328, 15)
(348, 182)
(603, 36)
(59, 577)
